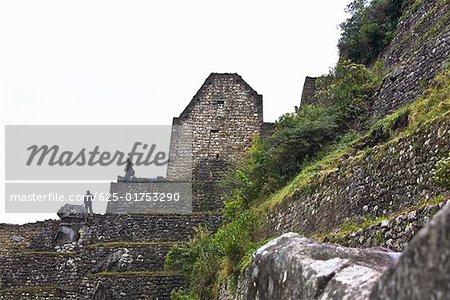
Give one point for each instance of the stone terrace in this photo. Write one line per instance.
(127, 250)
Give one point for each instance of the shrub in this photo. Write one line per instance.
(235, 238)
(201, 259)
(342, 97)
(275, 160)
(347, 90)
(369, 29)
(198, 260)
(182, 295)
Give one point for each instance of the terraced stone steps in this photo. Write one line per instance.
(121, 256)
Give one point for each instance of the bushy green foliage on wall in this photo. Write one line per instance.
(198, 260)
(369, 29)
(273, 161)
(347, 90)
(306, 143)
(206, 254)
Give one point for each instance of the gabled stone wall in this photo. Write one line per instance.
(224, 116)
(220, 123)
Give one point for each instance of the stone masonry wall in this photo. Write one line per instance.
(416, 54)
(137, 256)
(121, 255)
(219, 125)
(133, 287)
(150, 197)
(395, 233)
(147, 228)
(224, 116)
(213, 132)
(309, 88)
(380, 182)
(36, 236)
(38, 294)
(39, 269)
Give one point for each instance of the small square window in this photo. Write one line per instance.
(219, 102)
(214, 130)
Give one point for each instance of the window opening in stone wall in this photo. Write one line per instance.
(219, 102)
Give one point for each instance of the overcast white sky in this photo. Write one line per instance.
(141, 62)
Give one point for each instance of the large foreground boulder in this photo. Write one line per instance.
(423, 271)
(293, 267)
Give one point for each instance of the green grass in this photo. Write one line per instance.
(432, 106)
(379, 237)
(325, 163)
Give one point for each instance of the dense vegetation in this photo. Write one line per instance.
(305, 143)
(342, 96)
(210, 259)
(369, 29)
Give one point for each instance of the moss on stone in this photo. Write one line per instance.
(428, 34)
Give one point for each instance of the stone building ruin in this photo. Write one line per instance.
(217, 126)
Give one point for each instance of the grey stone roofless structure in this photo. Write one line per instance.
(222, 119)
